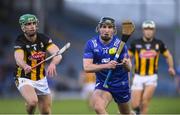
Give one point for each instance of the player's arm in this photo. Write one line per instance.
(170, 62)
(90, 67)
(51, 70)
(53, 49)
(19, 58)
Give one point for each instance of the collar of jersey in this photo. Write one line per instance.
(109, 44)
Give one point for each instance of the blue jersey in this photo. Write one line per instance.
(101, 54)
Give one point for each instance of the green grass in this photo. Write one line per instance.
(157, 105)
(165, 105)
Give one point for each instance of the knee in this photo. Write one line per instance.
(32, 103)
(46, 110)
(135, 104)
(136, 107)
(98, 107)
(145, 102)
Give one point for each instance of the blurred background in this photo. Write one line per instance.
(75, 21)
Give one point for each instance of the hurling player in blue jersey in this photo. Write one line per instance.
(98, 57)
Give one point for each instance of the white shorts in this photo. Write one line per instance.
(87, 89)
(41, 86)
(140, 81)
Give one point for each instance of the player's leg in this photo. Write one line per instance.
(44, 104)
(29, 94)
(89, 91)
(125, 108)
(27, 91)
(122, 99)
(136, 94)
(136, 100)
(147, 95)
(100, 100)
(44, 96)
(150, 86)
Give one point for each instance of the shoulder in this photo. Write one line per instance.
(158, 41)
(93, 41)
(20, 42)
(20, 38)
(43, 36)
(116, 39)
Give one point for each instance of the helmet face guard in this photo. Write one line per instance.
(27, 18)
(107, 21)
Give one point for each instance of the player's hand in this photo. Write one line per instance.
(172, 71)
(27, 69)
(112, 64)
(126, 64)
(51, 70)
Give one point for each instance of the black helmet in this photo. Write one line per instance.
(107, 20)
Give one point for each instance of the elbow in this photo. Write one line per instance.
(86, 69)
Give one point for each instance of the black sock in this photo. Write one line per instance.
(137, 110)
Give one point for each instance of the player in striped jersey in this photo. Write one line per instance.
(146, 53)
(30, 48)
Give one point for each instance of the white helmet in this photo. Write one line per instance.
(148, 24)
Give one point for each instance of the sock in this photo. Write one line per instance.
(137, 110)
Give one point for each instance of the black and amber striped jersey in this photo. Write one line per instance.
(146, 55)
(34, 52)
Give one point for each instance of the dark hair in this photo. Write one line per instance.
(106, 20)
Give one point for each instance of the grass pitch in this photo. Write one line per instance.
(159, 105)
